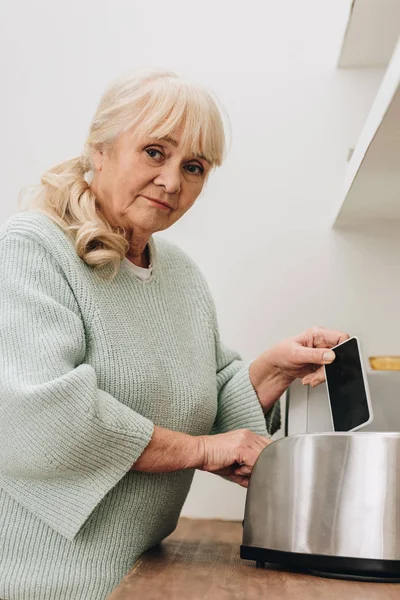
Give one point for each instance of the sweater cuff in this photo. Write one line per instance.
(65, 500)
(272, 417)
(239, 406)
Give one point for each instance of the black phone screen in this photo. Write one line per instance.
(347, 394)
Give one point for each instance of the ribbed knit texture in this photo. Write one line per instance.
(87, 367)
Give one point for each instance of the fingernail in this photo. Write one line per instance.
(328, 356)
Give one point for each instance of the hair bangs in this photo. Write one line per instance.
(174, 107)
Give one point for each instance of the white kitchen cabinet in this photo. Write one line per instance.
(371, 189)
(371, 33)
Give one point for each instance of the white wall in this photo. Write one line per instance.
(261, 231)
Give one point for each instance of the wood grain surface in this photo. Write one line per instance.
(200, 561)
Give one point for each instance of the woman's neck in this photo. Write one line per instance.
(139, 259)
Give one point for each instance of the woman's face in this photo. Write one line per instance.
(146, 186)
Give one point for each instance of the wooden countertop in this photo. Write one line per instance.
(200, 560)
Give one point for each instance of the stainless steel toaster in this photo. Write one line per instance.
(329, 502)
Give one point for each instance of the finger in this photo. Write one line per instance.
(248, 458)
(255, 446)
(243, 470)
(318, 377)
(314, 356)
(242, 480)
(249, 455)
(327, 338)
(314, 378)
(225, 472)
(316, 382)
(309, 370)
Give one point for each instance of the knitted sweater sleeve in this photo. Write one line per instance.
(64, 442)
(238, 403)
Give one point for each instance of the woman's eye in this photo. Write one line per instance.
(192, 169)
(157, 155)
(152, 152)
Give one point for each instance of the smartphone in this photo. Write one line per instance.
(348, 392)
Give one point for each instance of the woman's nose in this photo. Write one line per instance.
(170, 178)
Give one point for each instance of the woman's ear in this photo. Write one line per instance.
(97, 159)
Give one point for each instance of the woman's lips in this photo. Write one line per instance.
(158, 204)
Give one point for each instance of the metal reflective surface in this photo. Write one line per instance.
(336, 494)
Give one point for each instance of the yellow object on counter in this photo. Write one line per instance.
(385, 363)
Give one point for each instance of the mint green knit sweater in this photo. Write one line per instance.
(87, 367)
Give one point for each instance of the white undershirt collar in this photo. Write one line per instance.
(140, 272)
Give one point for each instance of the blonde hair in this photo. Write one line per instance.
(156, 102)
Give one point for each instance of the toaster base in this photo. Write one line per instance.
(370, 578)
(340, 567)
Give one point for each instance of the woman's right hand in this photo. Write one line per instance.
(232, 455)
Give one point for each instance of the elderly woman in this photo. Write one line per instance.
(114, 384)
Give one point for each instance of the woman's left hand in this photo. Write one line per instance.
(301, 356)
